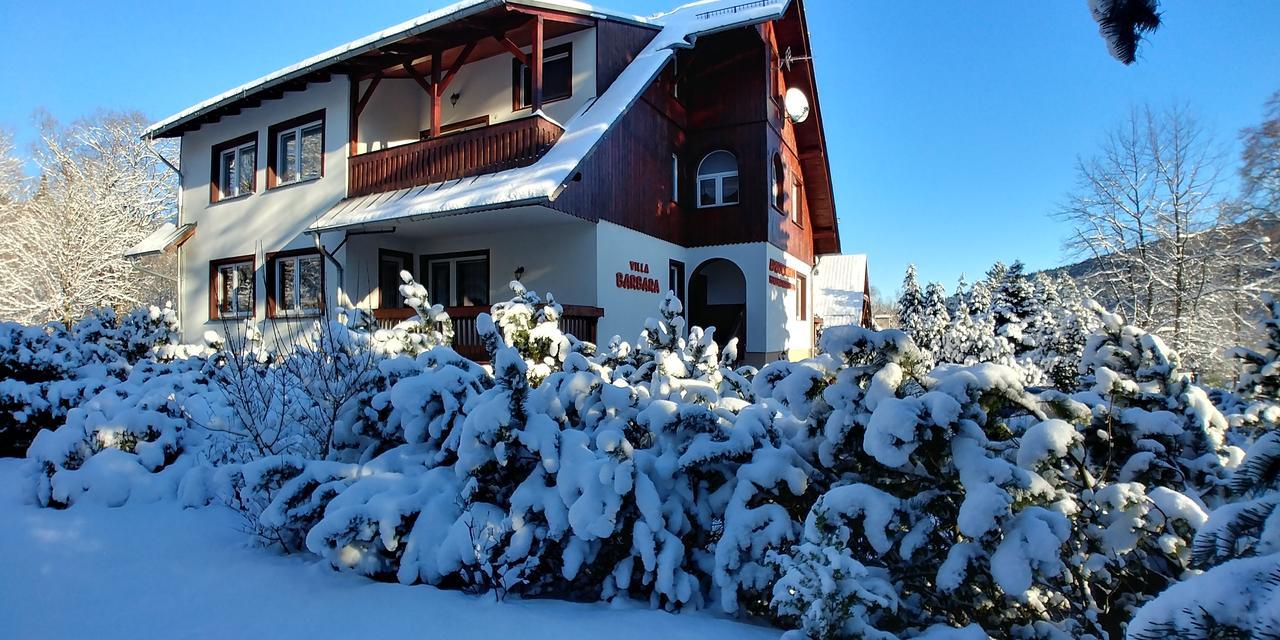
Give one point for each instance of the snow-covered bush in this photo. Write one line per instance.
(1239, 545)
(860, 493)
(47, 370)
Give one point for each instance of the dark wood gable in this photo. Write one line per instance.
(724, 102)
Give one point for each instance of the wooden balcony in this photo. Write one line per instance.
(578, 321)
(497, 147)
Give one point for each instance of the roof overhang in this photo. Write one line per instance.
(320, 67)
(166, 238)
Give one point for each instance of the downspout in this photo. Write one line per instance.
(343, 300)
(137, 264)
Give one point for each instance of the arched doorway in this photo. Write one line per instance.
(718, 298)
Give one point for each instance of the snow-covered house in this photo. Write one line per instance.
(842, 290)
(603, 157)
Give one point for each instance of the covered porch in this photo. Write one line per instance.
(467, 262)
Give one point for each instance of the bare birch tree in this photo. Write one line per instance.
(1164, 244)
(1261, 164)
(100, 191)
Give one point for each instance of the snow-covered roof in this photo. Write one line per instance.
(420, 24)
(839, 285)
(164, 238)
(543, 180)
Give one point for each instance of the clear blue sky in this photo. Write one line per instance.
(954, 127)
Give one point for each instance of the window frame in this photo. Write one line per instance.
(675, 178)
(293, 125)
(236, 144)
(797, 200)
(274, 290)
(453, 258)
(778, 183)
(215, 288)
(719, 178)
(518, 67)
(802, 294)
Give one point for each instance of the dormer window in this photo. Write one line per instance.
(235, 167)
(717, 180)
(296, 150)
(557, 77)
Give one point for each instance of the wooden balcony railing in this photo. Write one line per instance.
(578, 321)
(497, 147)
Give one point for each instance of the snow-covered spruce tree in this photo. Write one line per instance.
(927, 520)
(1148, 421)
(1256, 402)
(1014, 307)
(911, 317)
(1240, 548)
(958, 302)
(972, 338)
(1059, 351)
(1145, 459)
(936, 319)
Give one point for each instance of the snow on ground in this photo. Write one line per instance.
(154, 571)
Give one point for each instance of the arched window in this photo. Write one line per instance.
(779, 183)
(717, 180)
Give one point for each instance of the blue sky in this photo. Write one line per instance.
(953, 127)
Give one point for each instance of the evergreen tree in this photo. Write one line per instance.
(936, 320)
(911, 304)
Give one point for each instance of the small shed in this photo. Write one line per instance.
(842, 290)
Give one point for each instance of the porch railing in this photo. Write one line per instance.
(578, 321)
(497, 147)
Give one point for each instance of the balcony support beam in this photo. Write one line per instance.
(358, 103)
(436, 92)
(511, 46)
(538, 32)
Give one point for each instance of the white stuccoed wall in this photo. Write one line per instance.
(772, 328)
(484, 86)
(625, 309)
(788, 333)
(399, 109)
(558, 257)
(265, 221)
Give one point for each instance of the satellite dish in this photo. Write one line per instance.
(797, 105)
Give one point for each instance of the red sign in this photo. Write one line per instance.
(637, 280)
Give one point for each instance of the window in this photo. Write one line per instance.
(796, 199)
(235, 168)
(675, 178)
(675, 279)
(779, 183)
(718, 180)
(802, 294)
(390, 264)
(557, 77)
(295, 150)
(231, 288)
(296, 284)
(458, 279)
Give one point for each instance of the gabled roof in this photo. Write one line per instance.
(839, 286)
(542, 181)
(332, 58)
